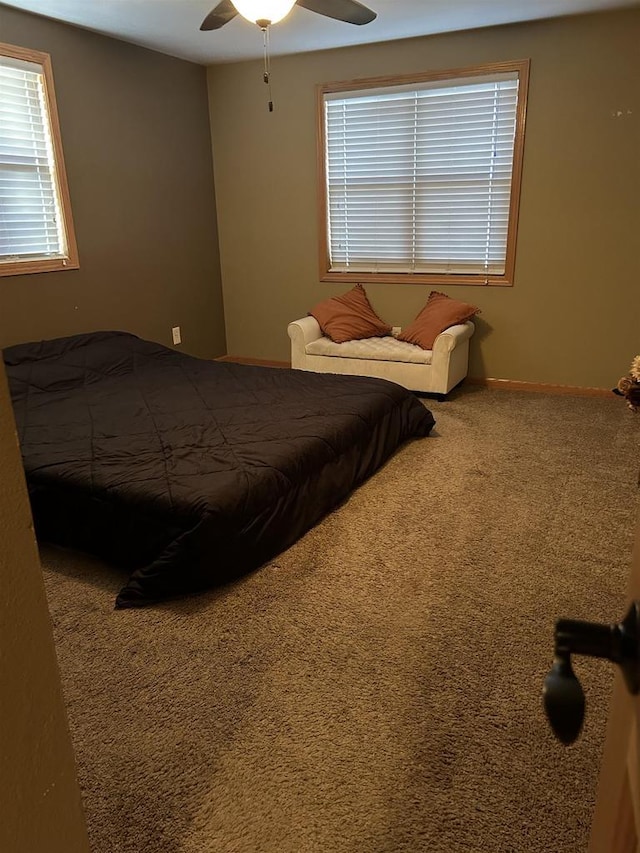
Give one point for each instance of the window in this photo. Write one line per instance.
(36, 229)
(420, 176)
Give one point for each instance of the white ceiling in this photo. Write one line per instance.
(172, 26)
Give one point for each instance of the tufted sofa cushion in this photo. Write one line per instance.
(373, 349)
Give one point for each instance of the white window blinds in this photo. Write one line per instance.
(31, 224)
(419, 176)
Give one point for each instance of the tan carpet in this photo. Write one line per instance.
(376, 689)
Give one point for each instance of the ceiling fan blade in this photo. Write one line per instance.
(218, 17)
(342, 10)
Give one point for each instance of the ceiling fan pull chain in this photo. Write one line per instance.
(267, 64)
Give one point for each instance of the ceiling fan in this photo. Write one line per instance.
(267, 12)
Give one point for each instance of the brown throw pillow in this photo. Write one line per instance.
(438, 314)
(349, 317)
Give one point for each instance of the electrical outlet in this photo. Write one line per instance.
(395, 331)
(177, 337)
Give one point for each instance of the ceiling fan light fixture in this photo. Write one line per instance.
(264, 10)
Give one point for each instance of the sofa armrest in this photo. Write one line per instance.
(452, 337)
(451, 357)
(304, 331)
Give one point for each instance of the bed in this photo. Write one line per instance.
(189, 472)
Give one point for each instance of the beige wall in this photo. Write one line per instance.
(136, 140)
(39, 796)
(572, 315)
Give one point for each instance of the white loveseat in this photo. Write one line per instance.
(434, 371)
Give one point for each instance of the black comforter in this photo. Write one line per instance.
(186, 471)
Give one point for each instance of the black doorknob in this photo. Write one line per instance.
(562, 692)
(564, 700)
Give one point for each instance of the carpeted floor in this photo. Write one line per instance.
(375, 689)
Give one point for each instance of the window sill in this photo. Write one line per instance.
(417, 278)
(48, 265)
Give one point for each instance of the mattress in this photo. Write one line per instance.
(189, 472)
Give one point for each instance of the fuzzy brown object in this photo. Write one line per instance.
(629, 385)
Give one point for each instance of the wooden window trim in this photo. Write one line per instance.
(507, 279)
(71, 260)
